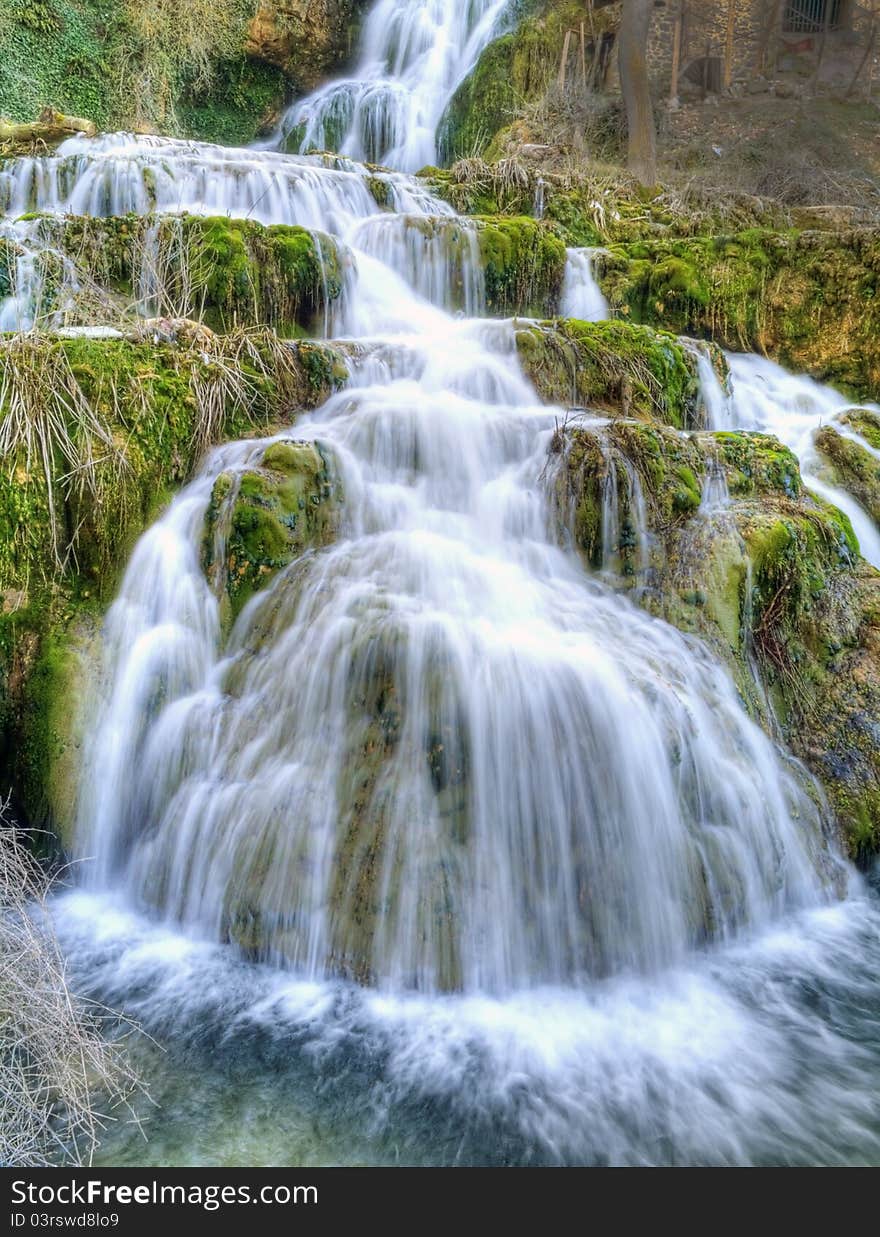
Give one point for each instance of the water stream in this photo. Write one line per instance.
(600, 915)
(414, 56)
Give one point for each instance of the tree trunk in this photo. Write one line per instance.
(635, 24)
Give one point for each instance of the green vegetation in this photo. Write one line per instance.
(615, 367)
(773, 585)
(225, 272)
(98, 433)
(204, 68)
(523, 264)
(260, 521)
(809, 299)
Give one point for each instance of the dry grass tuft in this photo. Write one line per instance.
(63, 1079)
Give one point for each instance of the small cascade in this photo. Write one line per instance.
(581, 295)
(715, 496)
(770, 400)
(539, 204)
(20, 302)
(438, 257)
(415, 53)
(626, 536)
(120, 174)
(714, 396)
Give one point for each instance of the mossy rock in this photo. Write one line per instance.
(516, 68)
(228, 272)
(850, 465)
(808, 299)
(61, 553)
(613, 367)
(216, 70)
(771, 582)
(260, 520)
(523, 265)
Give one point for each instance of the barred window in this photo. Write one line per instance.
(809, 16)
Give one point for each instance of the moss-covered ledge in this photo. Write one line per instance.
(809, 299)
(849, 448)
(523, 264)
(769, 577)
(614, 367)
(125, 422)
(226, 272)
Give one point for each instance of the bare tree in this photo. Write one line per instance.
(635, 25)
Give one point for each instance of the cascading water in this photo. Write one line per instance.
(768, 399)
(438, 757)
(581, 295)
(415, 54)
(444, 664)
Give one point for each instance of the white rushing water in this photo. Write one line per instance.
(415, 53)
(581, 295)
(597, 907)
(770, 400)
(546, 803)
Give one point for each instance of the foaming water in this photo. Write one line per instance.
(717, 410)
(763, 1053)
(594, 908)
(415, 53)
(770, 400)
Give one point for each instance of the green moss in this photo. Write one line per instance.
(612, 366)
(150, 398)
(234, 106)
(280, 276)
(261, 520)
(514, 69)
(805, 298)
(773, 585)
(864, 422)
(523, 264)
(231, 272)
(852, 467)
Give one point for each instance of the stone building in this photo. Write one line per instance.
(725, 43)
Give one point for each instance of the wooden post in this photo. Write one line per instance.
(770, 36)
(729, 44)
(676, 56)
(872, 39)
(594, 67)
(583, 57)
(826, 23)
(563, 64)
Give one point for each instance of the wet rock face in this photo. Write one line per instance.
(851, 464)
(307, 39)
(768, 575)
(260, 520)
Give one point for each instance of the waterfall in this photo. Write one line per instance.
(768, 399)
(433, 755)
(436, 756)
(715, 496)
(581, 295)
(415, 53)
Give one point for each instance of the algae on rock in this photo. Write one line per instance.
(260, 520)
(613, 367)
(770, 579)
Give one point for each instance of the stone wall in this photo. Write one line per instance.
(757, 50)
(704, 33)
